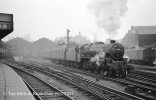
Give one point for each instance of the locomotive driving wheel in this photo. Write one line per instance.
(122, 73)
(96, 70)
(112, 72)
(85, 65)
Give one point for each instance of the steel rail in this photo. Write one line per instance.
(43, 81)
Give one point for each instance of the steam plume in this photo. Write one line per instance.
(108, 13)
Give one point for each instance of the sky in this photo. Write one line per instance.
(95, 19)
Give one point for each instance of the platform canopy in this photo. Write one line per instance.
(6, 24)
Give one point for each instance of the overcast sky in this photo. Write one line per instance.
(34, 19)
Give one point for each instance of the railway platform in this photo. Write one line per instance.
(12, 87)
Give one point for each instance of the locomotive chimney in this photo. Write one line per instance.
(112, 41)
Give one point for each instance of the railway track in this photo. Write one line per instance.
(142, 78)
(101, 92)
(137, 77)
(141, 86)
(43, 89)
(148, 75)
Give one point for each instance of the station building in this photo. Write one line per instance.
(141, 36)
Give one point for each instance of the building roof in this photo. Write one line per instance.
(144, 29)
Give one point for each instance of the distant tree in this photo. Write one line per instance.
(60, 40)
(78, 39)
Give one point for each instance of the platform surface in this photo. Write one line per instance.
(12, 86)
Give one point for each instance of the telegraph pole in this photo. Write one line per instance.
(67, 45)
(68, 37)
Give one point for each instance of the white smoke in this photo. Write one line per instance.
(97, 57)
(108, 13)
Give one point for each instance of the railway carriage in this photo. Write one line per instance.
(58, 53)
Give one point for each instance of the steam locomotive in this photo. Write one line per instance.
(100, 58)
